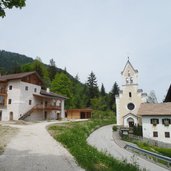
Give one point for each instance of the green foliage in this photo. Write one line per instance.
(93, 91)
(62, 85)
(40, 68)
(137, 130)
(73, 136)
(52, 69)
(99, 103)
(97, 114)
(102, 91)
(10, 61)
(114, 128)
(10, 4)
(112, 94)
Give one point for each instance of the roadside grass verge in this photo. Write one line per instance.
(73, 136)
(6, 133)
(146, 146)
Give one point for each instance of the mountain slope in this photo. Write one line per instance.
(9, 61)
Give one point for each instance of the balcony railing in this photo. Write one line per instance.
(46, 107)
(3, 91)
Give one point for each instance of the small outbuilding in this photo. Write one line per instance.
(79, 113)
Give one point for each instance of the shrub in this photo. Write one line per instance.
(114, 128)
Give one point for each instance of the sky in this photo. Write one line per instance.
(96, 35)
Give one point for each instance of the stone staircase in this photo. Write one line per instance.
(25, 115)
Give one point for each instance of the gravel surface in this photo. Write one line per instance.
(33, 149)
(103, 140)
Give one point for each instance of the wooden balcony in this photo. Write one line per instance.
(46, 107)
(3, 92)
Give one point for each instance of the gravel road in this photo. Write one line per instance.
(103, 140)
(33, 149)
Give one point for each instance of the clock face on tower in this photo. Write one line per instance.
(131, 106)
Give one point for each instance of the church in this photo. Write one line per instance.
(130, 97)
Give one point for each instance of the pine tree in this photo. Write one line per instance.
(93, 91)
(102, 91)
(52, 69)
(112, 94)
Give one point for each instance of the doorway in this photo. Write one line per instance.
(45, 114)
(130, 122)
(11, 116)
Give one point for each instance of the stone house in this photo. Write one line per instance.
(22, 97)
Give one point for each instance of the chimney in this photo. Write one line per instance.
(47, 90)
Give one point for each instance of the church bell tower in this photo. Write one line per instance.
(129, 98)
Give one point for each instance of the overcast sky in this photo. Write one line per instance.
(96, 35)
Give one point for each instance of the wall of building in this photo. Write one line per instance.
(73, 115)
(20, 97)
(123, 100)
(148, 128)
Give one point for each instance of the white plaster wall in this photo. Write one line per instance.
(148, 128)
(20, 98)
(35, 116)
(124, 99)
(62, 109)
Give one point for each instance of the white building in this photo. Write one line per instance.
(156, 121)
(21, 97)
(130, 98)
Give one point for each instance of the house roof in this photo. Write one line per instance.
(5, 78)
(129, 63)
(51, 94)
(80, 110)
(149, 109)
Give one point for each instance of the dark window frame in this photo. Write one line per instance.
(167, 134)
(155, 134)
(10, 87)
(9, 101)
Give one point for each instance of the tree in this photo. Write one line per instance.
(62, 85)
(112, 94)
(52, 69)
(4, 4)
(93, 91)
(152, 97)
(102, 91)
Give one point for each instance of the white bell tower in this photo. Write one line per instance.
(129, 98)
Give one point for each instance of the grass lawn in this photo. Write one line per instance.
(6, 133)
(73, 136)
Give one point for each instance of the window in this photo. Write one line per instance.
(10, 87)
(30, 102)
(130, 106)
(155, 134)
(166, 121)
(154, 121)
(130, 94)
(167, 134)
(9, 101)
(26, 88)
(131, 80)
(35, 90)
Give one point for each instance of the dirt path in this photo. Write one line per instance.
(33, 149)
(102, 139)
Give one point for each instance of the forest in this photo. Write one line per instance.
(80, 95)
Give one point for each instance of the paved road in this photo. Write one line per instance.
(103, 140)
(33, 149)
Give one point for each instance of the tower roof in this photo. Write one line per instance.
(129, 64)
